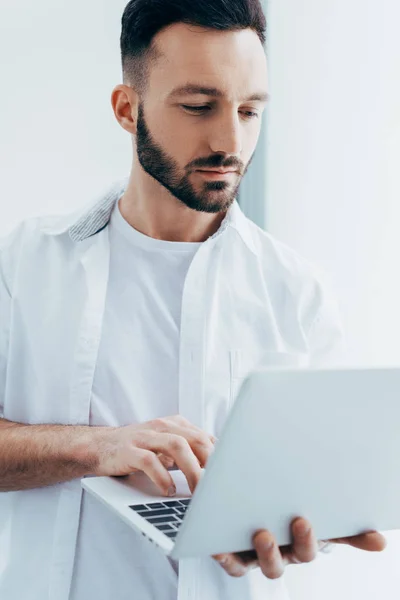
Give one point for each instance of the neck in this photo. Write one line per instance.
(154, 211)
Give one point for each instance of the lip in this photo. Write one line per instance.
(212, 174)
(223, 171)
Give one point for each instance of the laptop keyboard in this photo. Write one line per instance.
(166, 516)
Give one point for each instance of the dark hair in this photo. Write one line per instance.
(143, 19)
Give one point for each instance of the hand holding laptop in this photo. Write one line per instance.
(273, 559)
(155, 446)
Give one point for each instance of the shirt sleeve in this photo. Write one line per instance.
(327, 339)
(5, 313)
(9, 247)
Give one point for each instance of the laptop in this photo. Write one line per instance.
(323, 444)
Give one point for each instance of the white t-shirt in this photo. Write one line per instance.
(138, 354)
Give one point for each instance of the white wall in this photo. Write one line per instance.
(334, 195)
(59, 61)
(334, 152)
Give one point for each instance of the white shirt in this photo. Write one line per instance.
(247, 299)
(136, 380)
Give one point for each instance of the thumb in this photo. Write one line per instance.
(371, 542)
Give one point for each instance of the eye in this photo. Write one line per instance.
(251, 114)
(196, 109)
(199, 109)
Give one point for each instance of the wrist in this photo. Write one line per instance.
(86, 451)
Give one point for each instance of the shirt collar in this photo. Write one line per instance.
(95, 218)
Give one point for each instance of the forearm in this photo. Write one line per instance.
(33, 456)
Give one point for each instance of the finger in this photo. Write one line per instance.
(231, 564)
(148, 462)
(269, 556)
(371, 542)
(166, 461)
(185, 424)
(199, 442)
(305, 544)
(179, 449)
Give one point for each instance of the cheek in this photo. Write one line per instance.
(172, 135)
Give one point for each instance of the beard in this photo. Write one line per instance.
(215, 196)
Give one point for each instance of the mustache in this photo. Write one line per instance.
(217, 163)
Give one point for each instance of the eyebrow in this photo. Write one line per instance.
(192, 89)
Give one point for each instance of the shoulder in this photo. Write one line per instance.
(296, 283)
(286, 266)
(28, 238)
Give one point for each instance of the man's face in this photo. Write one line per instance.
(179, 132)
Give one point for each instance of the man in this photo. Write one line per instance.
(154, 302)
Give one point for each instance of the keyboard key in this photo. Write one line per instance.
(185, 502)
(165, 527)
(172, 503)
(165, 519)
(171, 534)
(181, 509)
(155, 505)
(139, 507)
(156, 513)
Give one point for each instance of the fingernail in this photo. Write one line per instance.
(239, 571)
(172, 491)
(269, 544)
(194, 485)
(302, 529)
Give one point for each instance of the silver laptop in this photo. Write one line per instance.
(322, 444)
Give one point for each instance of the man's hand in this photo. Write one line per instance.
(153, 447)
(273, 559)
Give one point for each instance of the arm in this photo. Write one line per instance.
(34, 456)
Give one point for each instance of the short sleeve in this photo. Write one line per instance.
(9, 251)
(327, 339)
(5, 314)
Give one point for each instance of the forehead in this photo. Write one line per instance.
(232, 62)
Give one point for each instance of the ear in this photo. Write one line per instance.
(125, 103)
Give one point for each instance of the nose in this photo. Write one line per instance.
(226, 135)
